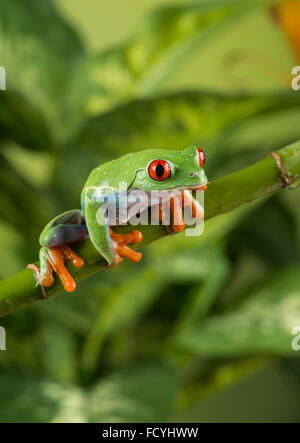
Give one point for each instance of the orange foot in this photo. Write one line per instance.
(120, 247)
(176, 204)
(57, 256)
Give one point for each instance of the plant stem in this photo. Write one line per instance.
(223, 195)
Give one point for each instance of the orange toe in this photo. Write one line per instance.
(137, 236)
(71, 255)
(68, 282)
(133, 256)
(195, 208)
(57, 257)
(48, 279)
(121, 249)
(176, 210)
(178, 228)
(131, 237)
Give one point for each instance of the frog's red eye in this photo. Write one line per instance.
(201, 156)
(159, 170)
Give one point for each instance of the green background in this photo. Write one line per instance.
(200, 330)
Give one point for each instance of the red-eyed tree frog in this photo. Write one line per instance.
(147, 171)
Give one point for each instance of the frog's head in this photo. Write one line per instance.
(166, 170)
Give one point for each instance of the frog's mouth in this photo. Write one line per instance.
(199, 187)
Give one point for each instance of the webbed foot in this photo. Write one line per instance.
(177, 203)
(120, 241)
(53, 259)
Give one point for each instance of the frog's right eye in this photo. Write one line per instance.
(159, 170)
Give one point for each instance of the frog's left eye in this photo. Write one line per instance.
(201, 156)
(159, 170)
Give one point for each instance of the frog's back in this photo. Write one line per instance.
(113, 172)
(108, 176)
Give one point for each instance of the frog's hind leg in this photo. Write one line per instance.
(66, 229)
(46, 271)
(53, 259)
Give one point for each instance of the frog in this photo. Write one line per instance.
(149, 170)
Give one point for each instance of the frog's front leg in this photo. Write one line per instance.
(177, 203)
(113, 247)
(62, 231)
(119, 244)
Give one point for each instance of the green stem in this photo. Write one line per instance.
(223, 195)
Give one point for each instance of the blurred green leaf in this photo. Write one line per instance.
(23, 122)
(123, 305)
(20, 201)
(59, 353)
(261, 323)
(256, 236)
(201, 298)
(291, 201)
(35, 167)
(24, 399)
(38, 51)
(142, 393)
(11, 242)
(70, 314)
(138, 68)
